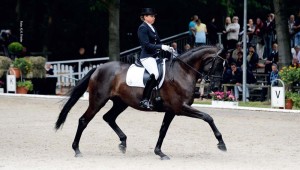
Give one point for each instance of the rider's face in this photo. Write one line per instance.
(149, 18)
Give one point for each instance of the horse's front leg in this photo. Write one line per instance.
(162, 133)
(191, 112)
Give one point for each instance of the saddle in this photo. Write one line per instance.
(137, 75)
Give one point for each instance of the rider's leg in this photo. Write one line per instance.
(151, 66)
(151, 83)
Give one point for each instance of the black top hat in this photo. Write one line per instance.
(148, 11)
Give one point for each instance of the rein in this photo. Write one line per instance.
(199, 73)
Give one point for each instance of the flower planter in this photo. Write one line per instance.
(15, 71)
(288, 104)
(218, 103)
(22, 90)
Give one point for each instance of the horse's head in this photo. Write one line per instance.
(213, 68)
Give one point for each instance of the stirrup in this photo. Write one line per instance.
(146, 104)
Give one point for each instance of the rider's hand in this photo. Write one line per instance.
(171, 50)
(167, 48)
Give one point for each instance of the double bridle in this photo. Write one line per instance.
(202, 76)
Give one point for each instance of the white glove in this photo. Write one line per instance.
(167, 48)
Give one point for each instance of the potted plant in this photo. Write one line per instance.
(221, 99)
(15, 48)
(24, 86)
(290, 76)
(293, 99)
(23, 64)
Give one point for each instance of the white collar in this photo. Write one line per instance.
(150, 26)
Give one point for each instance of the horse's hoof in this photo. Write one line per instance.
(122, 148)
(222, 147)
(164, 158)
(77, 155)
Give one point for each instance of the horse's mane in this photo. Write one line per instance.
(196, 51)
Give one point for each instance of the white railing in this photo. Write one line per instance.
(64, 70)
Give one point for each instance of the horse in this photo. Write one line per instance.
(107, 82)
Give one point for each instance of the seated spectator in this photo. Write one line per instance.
(252, 58)
(273, 75)
(49, 69)
(187, 47)
(228, 60)
(235, 76)
(297, 53)
(239, 61)
(272, 58)
(295, 63)
(237, 49)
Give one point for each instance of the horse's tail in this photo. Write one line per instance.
(76, 93)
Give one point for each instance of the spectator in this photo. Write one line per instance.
(295, 63)
(250, 30)
(6, 38)
(272, 59)
(228, 60)
(192, 30)
(257, 40)
(235, 76)
(233, 30)
(187, 47)
(176, 51)
(297, 53)
(238, 48)
(297, 29)
(273, 75)
(269, 35)
(291, 23)
(252, 58)
(212, 30)
(201, 88)
(239, 61)
(49, 69)
(224, 35)
(200, 37)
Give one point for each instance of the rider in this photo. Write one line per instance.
(151, 47)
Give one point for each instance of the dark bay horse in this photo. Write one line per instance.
(107, 82)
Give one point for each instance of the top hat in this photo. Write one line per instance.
(148, 11)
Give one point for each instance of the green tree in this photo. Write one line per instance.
(113, 9)
(283, 37)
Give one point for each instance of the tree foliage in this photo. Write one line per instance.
(62, 27)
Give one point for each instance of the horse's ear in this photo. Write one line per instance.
(221, 51)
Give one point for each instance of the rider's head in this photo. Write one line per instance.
(148, 15)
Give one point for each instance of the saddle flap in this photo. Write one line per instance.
(137, 76)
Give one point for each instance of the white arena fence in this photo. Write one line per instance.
(65, 73)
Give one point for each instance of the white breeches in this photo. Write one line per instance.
(150, 65)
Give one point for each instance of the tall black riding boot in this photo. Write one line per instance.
(151, 83)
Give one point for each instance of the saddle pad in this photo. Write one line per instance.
(135, 76)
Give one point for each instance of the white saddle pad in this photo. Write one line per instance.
(134, 76)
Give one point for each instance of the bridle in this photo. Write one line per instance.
(202, 75)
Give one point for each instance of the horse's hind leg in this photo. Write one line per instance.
(110, 117)
(191, 112)
(162, 133)
(93, 108)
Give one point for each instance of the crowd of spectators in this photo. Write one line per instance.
(262, 47)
